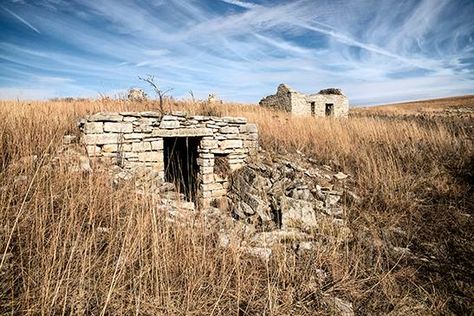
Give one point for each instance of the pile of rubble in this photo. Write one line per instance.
(287, 201)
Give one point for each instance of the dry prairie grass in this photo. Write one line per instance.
(71, 244)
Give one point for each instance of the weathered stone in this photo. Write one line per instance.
(118, 127)
(110, 148)
(169, 118)
(332, 199)
(229, 130)
(141, 146)
(248, 128)
(200, 118)
(169, 124)
(179, 113)
(150, 114)
(340, 306)
(93, 128)
(150, 156)
(129, 119)
(246, 209)
(340, 176)
(143, 128)
(206, 169)
(235, 143)
(105, 117)
(209, 143)
(157, 145)
(205, 162)
(183, 132)
(211, 186)
(259, 252)
(296, 213)
(134, 135)
(237, 120)
(207, 178)
(101, 139)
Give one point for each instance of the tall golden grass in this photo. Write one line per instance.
(72, 244)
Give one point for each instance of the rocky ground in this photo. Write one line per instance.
(274, 200)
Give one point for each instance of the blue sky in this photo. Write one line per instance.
(377, 51)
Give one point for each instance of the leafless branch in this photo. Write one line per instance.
(150, 79)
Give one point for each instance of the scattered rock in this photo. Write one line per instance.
(342, 307)
(84, 164)
(69, 139)
(340, 176)
(296, 213)
(259, 252)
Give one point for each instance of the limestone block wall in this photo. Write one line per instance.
(299, 104)
(136, 139)
(341, 104)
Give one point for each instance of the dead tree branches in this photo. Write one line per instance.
(150, 79)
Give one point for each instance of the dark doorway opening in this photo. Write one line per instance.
(313, 108)
(329, 109)
(181, 168)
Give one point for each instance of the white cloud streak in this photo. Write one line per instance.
(22, 20)
(242, 4)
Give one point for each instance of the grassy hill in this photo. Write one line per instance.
(460, 103)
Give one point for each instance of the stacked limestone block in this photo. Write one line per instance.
(135, 139)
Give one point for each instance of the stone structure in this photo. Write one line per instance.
(136, 94)
(328, 102)
(213, 98)
(195, 152)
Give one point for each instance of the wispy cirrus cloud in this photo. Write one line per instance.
(22, 20)
(375, 50)
(243, 4)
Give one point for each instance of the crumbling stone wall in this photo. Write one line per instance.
(281, 100)
(289, 100)
(136, 139)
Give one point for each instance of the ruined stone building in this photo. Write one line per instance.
(327, 102)
(136, 94)
(197, 153)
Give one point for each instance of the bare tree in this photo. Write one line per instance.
(191, 93)
(150, 79)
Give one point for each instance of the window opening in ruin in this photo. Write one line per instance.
(313, 108)
(181, 168)
(329, 109)
(221, 165)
